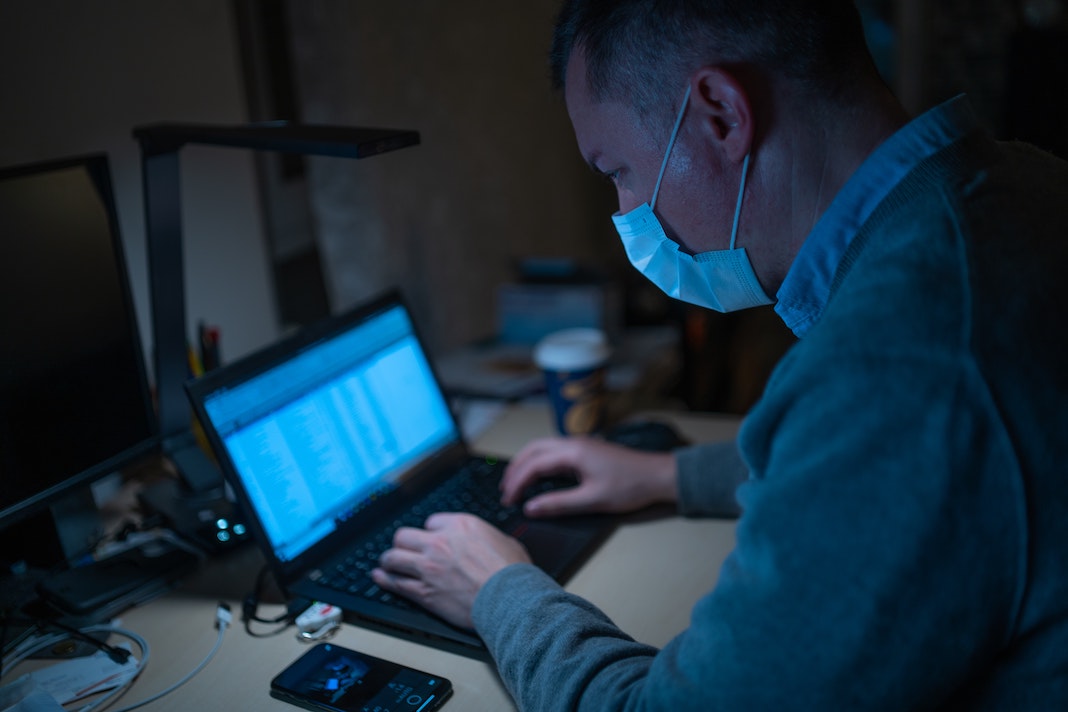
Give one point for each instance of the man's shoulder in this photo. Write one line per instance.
(948, 248)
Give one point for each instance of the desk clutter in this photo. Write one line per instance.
(506, 371)
(185, 631)
(87, 411)
(550, 296)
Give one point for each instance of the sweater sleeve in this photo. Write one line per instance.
(874, 564)
(708, 478)
(549, 644)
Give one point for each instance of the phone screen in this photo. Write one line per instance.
(329, 677)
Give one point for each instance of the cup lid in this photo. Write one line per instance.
(572, 349)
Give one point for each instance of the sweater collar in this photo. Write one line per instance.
(805, 291)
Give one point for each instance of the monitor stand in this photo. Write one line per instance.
(37, 583)
(43, 543)
(102, 589)
(30, 548)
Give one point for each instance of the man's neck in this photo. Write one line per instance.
(819, 151)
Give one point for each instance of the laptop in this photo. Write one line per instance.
(339, 434)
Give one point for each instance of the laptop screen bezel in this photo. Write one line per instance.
(417, 479)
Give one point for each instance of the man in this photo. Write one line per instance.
(903, 540)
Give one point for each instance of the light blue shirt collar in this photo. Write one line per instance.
(807, 287)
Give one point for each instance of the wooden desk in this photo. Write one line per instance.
(179, 626)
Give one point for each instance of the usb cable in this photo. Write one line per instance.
(223, 618)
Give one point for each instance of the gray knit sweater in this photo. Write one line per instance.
(903, 542)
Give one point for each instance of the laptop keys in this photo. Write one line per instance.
(474, 490)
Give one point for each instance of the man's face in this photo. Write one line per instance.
(615, 143)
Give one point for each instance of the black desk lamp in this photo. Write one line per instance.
(191, 507)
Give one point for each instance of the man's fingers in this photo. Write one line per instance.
(438, 520)
(410, 538)
(400, 562)
(573, 500)
(543, 460)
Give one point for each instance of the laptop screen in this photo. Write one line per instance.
(337, 424)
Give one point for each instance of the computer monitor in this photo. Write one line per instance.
(75, 403)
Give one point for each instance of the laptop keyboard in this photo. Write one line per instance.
(473, 490)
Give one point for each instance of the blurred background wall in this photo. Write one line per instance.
(497, 177)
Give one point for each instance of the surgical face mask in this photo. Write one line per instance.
(722, 280)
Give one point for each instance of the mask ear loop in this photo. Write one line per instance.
(738, 207)
(671, 145)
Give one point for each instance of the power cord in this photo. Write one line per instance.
(117, 655)
(251, 604)
(28, 648)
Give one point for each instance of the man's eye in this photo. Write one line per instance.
(612, 177)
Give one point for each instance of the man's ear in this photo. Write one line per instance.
(719, 99)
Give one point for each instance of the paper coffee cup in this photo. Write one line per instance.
(574, 362)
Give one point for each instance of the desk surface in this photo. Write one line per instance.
(179, 626)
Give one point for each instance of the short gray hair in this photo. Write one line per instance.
(642, 51)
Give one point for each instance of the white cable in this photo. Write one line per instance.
(175, 686)
(25, 650)
(222, 622)
(33, 645)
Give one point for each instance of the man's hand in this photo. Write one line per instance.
(445, 565)
(612, 478)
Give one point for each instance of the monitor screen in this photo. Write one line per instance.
(75, 403)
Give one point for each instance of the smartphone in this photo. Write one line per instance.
(329, 677)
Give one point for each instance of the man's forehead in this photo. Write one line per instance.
(576, 85)
(598, 125)
(577, 94)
